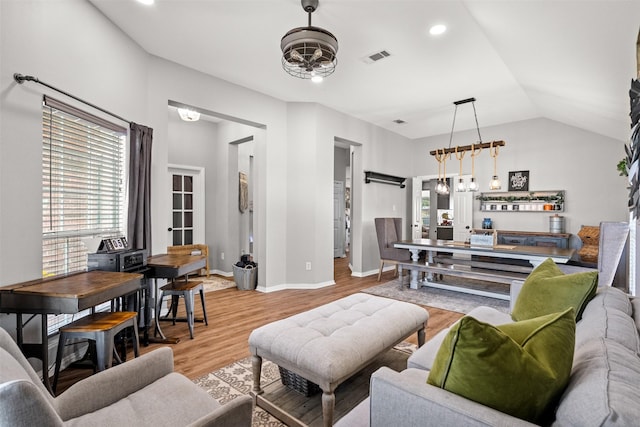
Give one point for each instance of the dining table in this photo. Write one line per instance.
(533, 255)
(62, 294)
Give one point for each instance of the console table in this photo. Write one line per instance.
(66, 294)
(533, 238)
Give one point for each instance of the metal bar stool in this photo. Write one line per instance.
(185, 289)
(101, 329)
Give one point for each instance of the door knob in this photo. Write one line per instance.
(169, 229)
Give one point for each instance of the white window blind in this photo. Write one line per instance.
(82, 187)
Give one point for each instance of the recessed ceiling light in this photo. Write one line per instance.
(147, 2)
(436, 30)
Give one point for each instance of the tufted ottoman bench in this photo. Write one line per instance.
(330, 343)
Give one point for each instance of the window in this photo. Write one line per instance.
(82, 186)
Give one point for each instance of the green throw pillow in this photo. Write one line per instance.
(548, 290)
(519, 368)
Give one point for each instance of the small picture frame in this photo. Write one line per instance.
(519, 181)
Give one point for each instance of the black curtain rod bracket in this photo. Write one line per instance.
(20, 79)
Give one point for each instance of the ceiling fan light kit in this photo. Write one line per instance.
(309, 52)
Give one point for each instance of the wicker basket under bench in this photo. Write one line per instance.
(297, 383)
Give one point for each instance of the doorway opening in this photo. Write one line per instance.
(229, 150)
(437, 216)
(343, 196)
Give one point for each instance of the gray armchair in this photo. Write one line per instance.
(143, 392)
(389, 231)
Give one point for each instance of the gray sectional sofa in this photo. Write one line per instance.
(603, 390)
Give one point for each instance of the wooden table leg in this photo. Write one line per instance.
(328, 406)
(256, 367)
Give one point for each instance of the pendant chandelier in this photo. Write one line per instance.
(475, 149)
(309, 52)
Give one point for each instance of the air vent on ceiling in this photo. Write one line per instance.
(374, 57)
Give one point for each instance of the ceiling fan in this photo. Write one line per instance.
(309, 52)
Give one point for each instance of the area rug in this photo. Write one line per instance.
(214, 283)
(439, 298)
(236, 379)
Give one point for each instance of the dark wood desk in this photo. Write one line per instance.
(170, 266)
(67, 294)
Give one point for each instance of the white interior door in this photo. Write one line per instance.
(186, 215)
(416, 211)
(338, 220)
(462, 215)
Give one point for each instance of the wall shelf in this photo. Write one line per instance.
(383, 178)
(522, 201)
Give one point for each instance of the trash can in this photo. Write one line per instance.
(246, 277)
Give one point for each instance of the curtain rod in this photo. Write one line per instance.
(19, 78)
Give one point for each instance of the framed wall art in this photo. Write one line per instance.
(519, 181)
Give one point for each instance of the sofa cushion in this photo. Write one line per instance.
(610, 323)
(603, 389)
(548, 290)
(480, 361)
(423, 357)
(610, 297)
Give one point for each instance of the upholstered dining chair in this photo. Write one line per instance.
(389, 231)
(613, 238)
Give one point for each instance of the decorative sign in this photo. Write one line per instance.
(519, 181)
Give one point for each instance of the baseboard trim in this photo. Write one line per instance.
(221, 273)
(288, 286)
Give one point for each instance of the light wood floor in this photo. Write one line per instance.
(233, 314)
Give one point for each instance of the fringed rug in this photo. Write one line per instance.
(439, 298)
(236, 379)
(214, 283)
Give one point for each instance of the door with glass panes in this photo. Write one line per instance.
(187, 202)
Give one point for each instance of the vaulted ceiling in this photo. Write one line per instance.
(569, 61)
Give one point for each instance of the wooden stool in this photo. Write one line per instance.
(185, 289)
(100, 328)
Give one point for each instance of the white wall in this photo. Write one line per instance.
(56, 42)
(293, 149)
(557, 156)
(231, 225)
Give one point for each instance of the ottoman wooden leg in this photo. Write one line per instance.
(328, 405)
(256, 367)
(420, 337)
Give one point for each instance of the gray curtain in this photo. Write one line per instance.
(139, 212)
